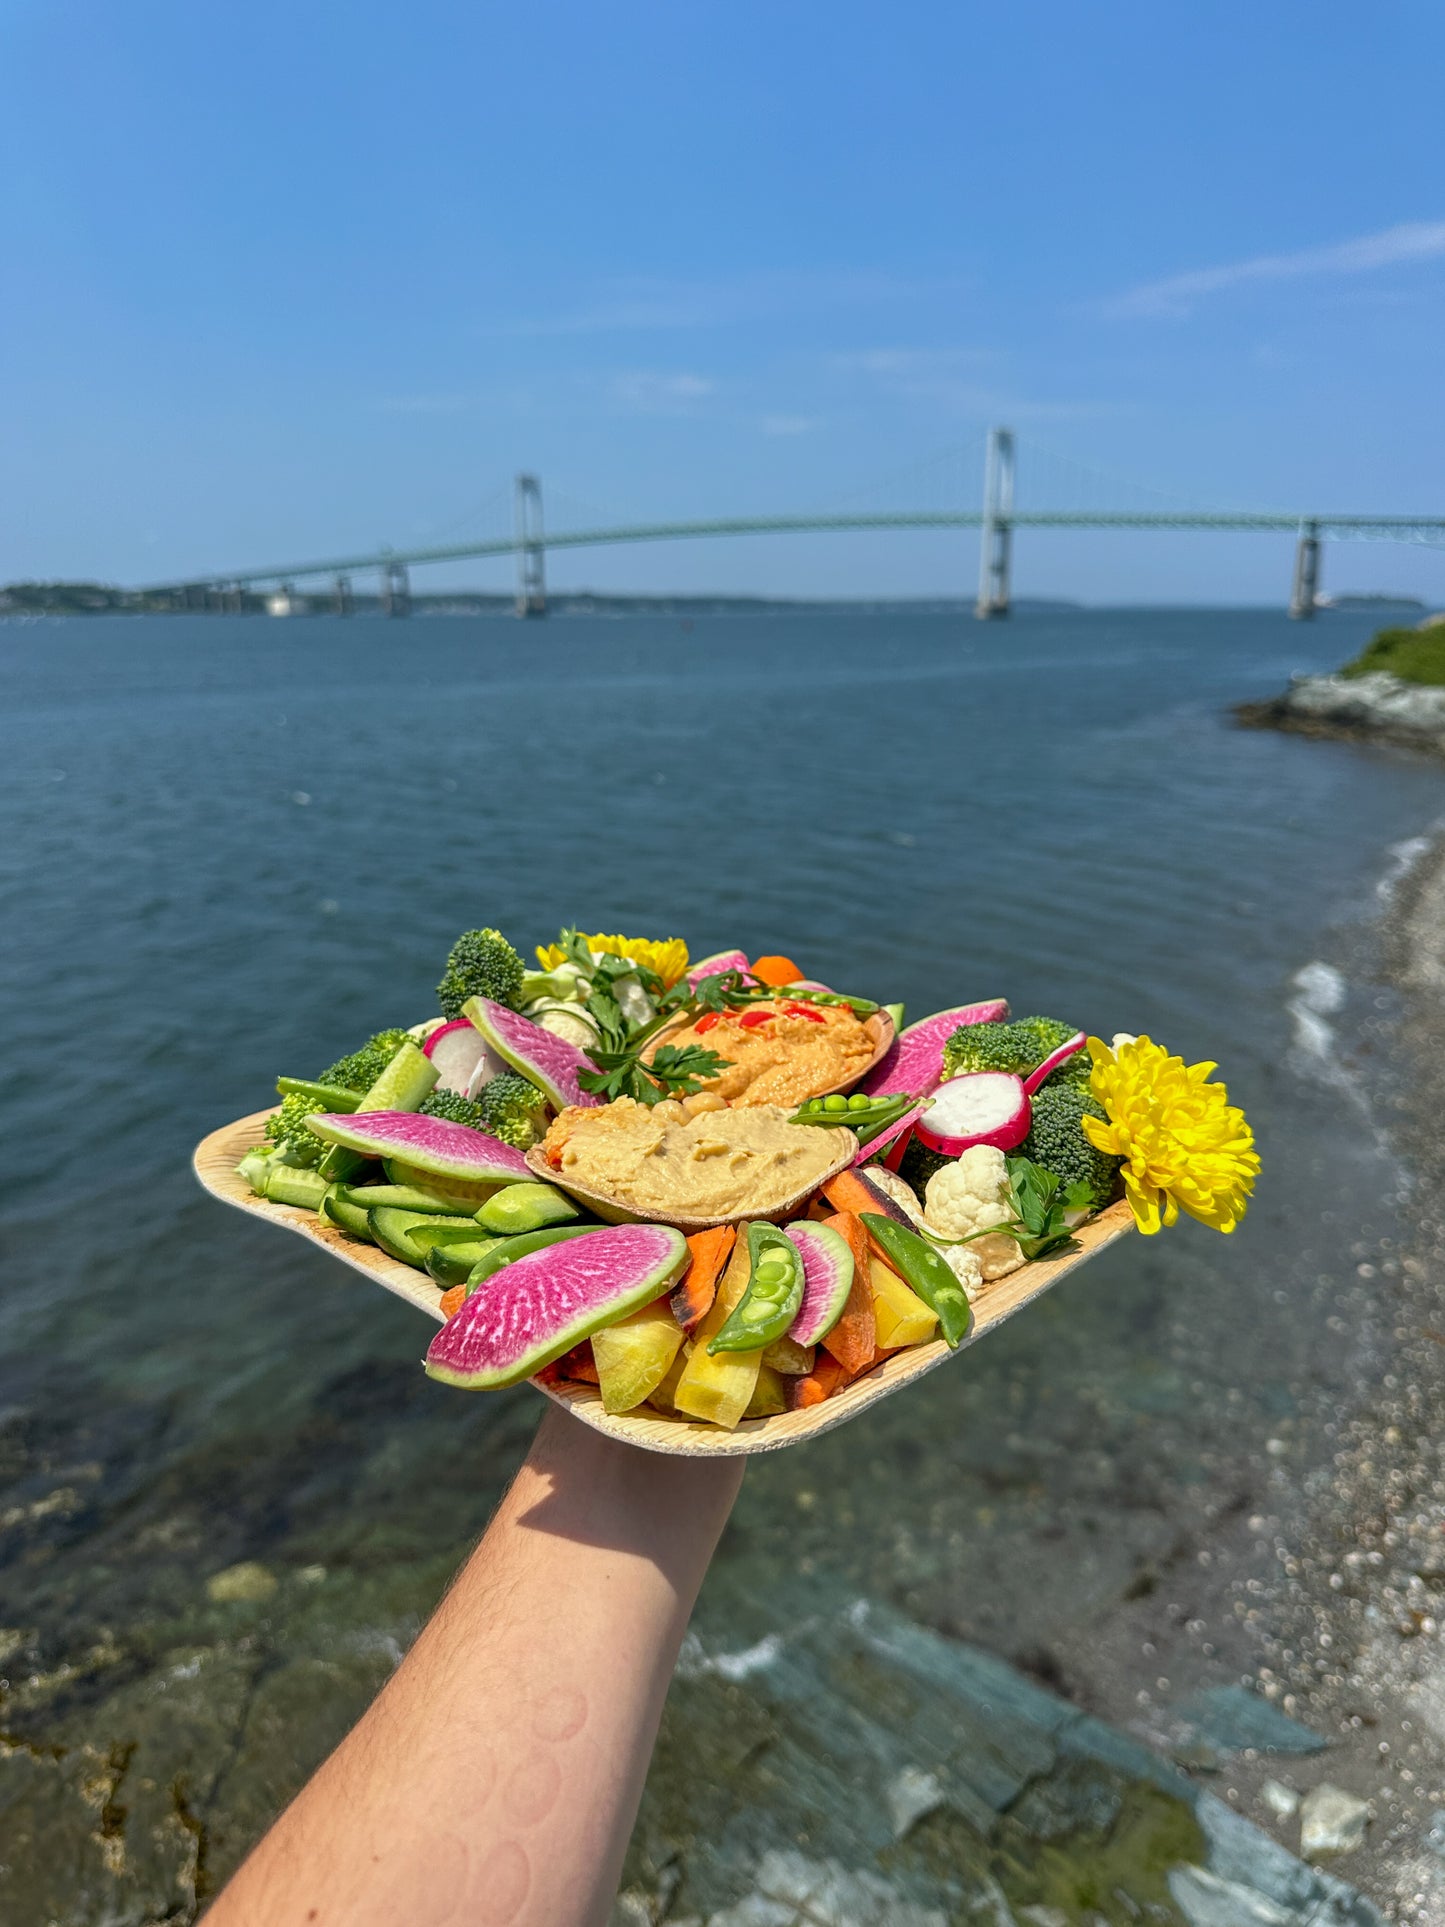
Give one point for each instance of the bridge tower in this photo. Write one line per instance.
(997, 535)
(1304, 594)
(395, 590)
(531, 550)
(343, 603)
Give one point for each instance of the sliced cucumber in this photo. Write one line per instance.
(446, 1231)
(452, 1264)
(507, 1250)
(291, 1184)
(348, 1217)
(333, 1096)
(389, 1227)
(409, 1197)
(401, 1087)
(525, 1207)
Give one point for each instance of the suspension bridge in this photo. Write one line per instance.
(998, 513)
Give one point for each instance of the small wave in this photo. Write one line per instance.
(1403, 857)
(1321, 992)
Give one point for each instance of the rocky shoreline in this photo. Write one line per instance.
(1378, 707)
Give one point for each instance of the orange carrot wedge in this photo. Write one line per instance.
(453, 1300)
(854, 1339)
(579, 1363)
(850, 1191)
(826, 1377)
(691, 1301)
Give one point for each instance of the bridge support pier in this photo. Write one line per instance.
(531, 550)
(1304, 593)
(395, 590)
(996, 546)
(342, 600)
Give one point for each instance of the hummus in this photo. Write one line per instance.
(775, 1057)
(719, 1164)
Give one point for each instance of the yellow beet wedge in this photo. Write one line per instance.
(901, 1316)
(720, 1388)
(635, 1355)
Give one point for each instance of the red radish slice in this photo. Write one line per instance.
(914, 1060)
(459, 1051)
(1051, 1063)
(827, 1279)
(981, 1107)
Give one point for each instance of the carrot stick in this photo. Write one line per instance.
(453, 1300)
(854, 1339)
(851, 1191)
(691, 1301)
(826, 1377)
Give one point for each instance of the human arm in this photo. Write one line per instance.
(497, 1776)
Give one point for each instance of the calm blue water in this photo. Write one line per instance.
(233, 847)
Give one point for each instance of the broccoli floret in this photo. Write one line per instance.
(286, 1129)
(452, 1105)
(481, 964)
(1020, 1047)
(1057, 1142)
(360, 1070)
(512, 1109)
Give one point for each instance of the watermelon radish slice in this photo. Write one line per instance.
(915, 1061)
(459, 1051)
(431, 1144)
(716, 965)
(827, 1279)
(549, 1061)
(980, 1107)
(542, 1305)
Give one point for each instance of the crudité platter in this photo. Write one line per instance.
(717, 1207)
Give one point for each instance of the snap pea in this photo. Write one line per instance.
(925, 1271)
(771, 1297)
(865, 1116)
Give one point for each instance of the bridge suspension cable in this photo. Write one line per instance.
(1012, 473)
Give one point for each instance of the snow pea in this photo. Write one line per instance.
(925, 1271)
(771, 1297)
(863, 1115)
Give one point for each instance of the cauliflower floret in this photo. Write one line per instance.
(966, 1265)
(899, 1189)
(969, 1195)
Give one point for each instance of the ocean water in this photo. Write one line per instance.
(232, 847)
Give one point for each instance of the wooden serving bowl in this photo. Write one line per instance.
(880, 1027)
(217, 1156)
(615, 1212)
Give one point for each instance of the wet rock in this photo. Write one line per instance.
(1231, 1719)
(1331, 1821)
(1282, 1801)
(248, 1581)
(870, 1750)
(912, 1795)
(1377, 705)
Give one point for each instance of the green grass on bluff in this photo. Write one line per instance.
(1414, 655)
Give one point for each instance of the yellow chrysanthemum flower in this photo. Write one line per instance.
(667, 957)
(1184, 1145)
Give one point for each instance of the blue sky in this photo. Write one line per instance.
(283, 280)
